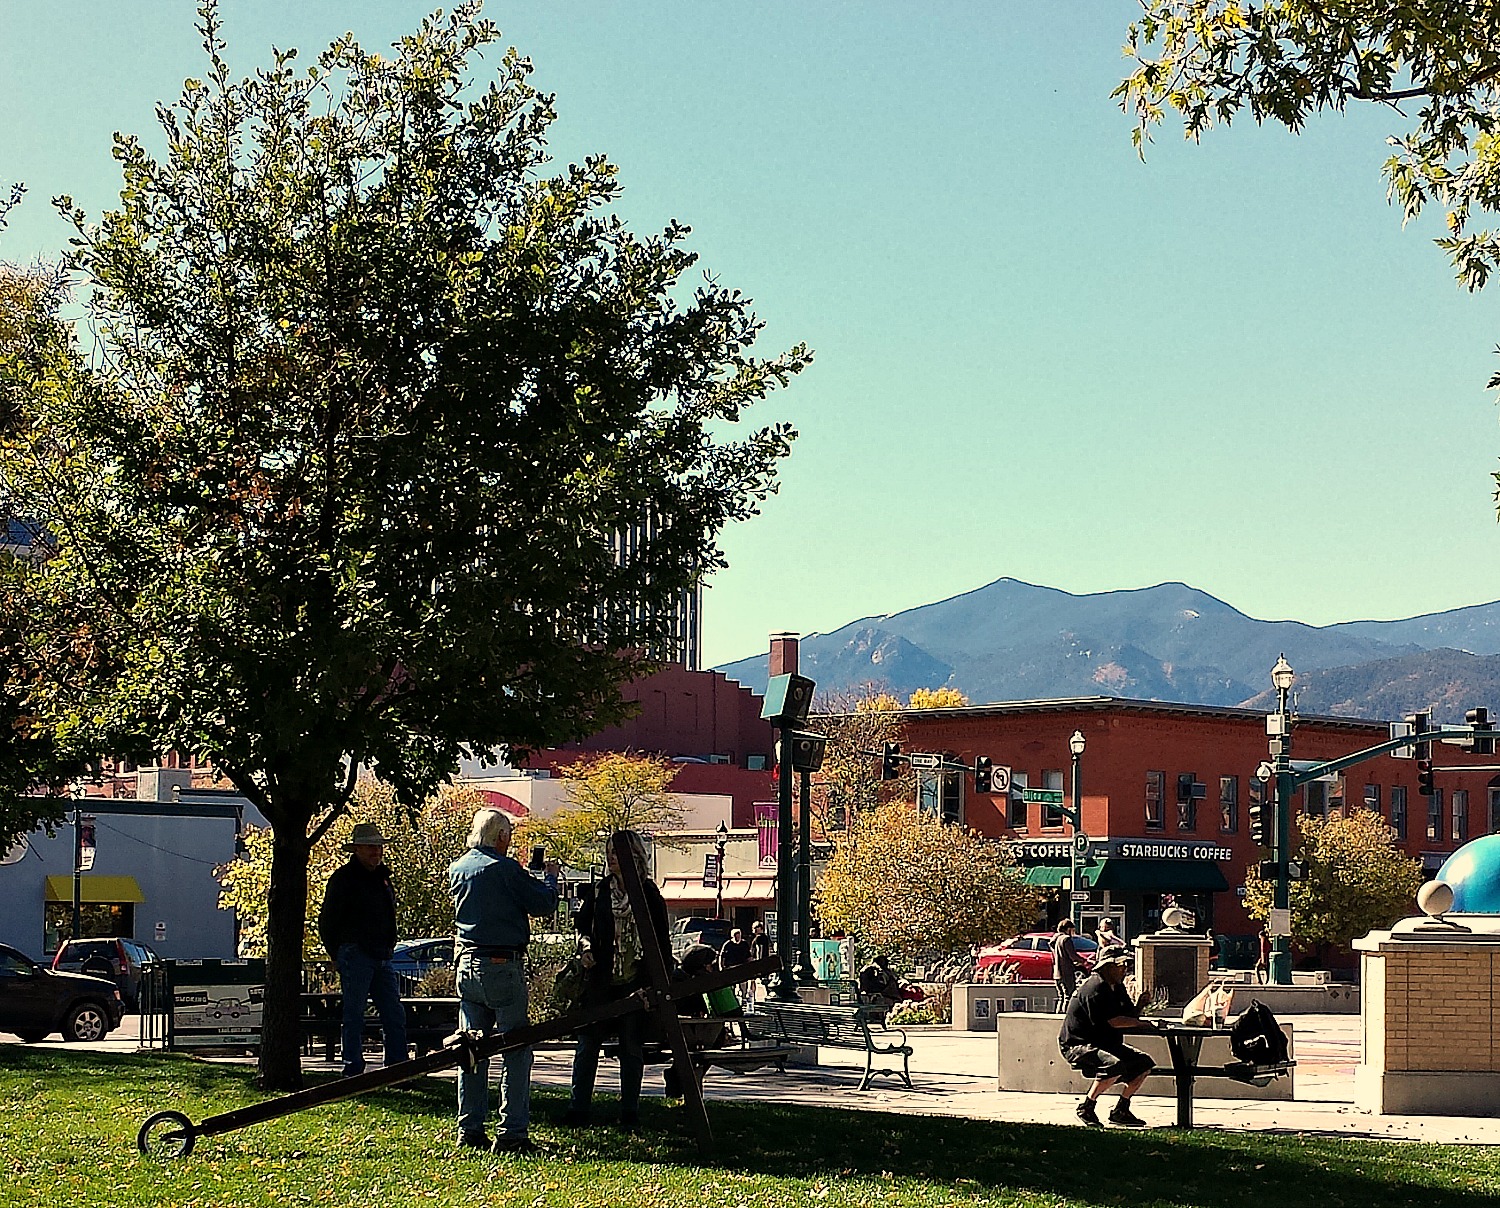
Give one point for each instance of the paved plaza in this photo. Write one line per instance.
(955, 1074)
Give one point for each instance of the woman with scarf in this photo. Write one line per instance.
(616, 968)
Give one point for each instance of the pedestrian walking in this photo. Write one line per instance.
(1065, 964)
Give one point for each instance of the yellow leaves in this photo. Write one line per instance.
(937, 698)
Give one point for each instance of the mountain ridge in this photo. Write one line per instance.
(1013, 640)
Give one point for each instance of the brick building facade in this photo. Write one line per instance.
(1148, 847)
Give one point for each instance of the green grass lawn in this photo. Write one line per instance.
(68, 1123)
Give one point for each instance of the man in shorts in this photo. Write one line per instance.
(1092, 1038)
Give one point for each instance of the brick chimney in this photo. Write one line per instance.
(783, 654)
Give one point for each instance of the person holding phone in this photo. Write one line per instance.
(493, 897)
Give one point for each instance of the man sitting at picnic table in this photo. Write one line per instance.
(1092, 1038)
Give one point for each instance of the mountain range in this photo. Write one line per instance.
(1011, 640)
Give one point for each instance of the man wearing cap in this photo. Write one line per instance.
(493, 899)
(357, 924)
(1092, 1038)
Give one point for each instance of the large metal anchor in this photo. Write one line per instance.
(171, 1134)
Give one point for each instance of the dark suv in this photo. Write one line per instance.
(118, 958)
(36, 1000)
(687, 932)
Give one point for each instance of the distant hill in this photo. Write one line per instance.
(1011, 640)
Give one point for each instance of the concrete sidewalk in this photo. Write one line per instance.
(954, 1074)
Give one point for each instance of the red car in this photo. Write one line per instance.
(1031, 955)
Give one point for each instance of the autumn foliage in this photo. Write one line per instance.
(903, 881)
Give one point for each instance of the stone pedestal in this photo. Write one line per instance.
(1431, 991)
(1171, 966)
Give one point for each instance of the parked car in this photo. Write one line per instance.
(418, 958)
(122, 960)
(695, 930)
(1031, 955)
(36, 1001)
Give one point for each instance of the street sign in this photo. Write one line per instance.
(1043, 796)
(927, 762)
(999, 779)
(711, 871)
(1081, 844)
(1401, 729)
(1281, 921)
(1081, 895)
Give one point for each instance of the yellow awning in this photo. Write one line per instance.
(95, 889)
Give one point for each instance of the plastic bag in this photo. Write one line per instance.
(1209, 1007)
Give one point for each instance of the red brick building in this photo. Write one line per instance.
(1148, 844)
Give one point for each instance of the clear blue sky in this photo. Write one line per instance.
(1036, 355)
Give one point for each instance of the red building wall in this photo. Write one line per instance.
(693, 715)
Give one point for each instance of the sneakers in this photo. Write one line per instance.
(472, 1140)
(513, 1143)
(1125, 1118)
(1088, 1115)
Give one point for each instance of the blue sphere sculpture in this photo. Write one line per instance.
(1473, 871)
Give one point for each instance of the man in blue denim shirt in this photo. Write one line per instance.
(492, 899)
(357, 924)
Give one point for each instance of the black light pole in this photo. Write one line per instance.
(78, 795)
(783, 984)
(720, 837)
(804, 970)
(1075, 745)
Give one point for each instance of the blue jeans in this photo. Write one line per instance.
(492, 996)
(361, 979)
(631, 1030)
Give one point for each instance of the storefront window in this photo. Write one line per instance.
(1155, 790)
(94, 918)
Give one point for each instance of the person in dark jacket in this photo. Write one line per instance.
(357, 924)
(1092, 1038)
(616, 968)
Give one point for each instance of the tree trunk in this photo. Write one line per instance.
(286, 920)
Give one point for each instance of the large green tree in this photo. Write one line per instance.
(1356, 880)
(388, 445)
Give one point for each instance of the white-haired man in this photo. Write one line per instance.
(493, 897)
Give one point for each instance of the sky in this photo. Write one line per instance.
(1036, 355)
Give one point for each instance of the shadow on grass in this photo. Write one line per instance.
(1208, 1168)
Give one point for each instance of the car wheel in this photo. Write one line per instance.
(32, 1037)
(86, 1021)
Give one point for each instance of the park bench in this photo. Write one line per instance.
(833, 1027)
(723, 1042)
(428, 1022)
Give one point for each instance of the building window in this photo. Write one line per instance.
(1372, 797)
(940, 795)
(1460, 815)
(1018, 784)
(1315, 799)
(1495, 809)
(1435, 815)
(1052, 815)
(1155, 786)
(1398, 810)
(1229, 804)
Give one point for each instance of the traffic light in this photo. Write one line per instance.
(1424, 777)
(1479, 719)
(984, 774)
(1420, 723)
(890, 761)
(1262, 818)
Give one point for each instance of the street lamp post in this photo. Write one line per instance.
(78, 795)
(1279, 732)
(720, 837)
(1075, 744)
(804, 970)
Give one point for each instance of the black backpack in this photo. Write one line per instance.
(1256, 1036)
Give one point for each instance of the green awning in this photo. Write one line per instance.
(94, 889)
(1052, 876)
(1167, 876)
